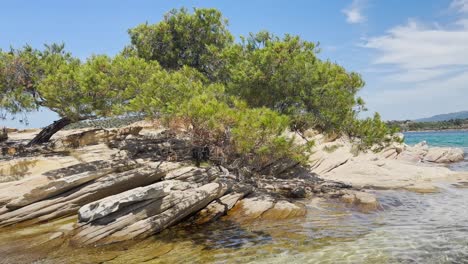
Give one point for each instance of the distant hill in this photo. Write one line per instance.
(444, 117)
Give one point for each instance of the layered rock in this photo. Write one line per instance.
(69, 201)
(134, 214)
(421, 152)
(396, 166)
(127, 184)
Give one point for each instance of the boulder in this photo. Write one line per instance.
(252, 207)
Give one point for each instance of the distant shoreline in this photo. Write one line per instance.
(437, 130)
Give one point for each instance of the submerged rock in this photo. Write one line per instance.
(363, 200)
(265, 207)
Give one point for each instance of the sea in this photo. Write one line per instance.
(455, 138)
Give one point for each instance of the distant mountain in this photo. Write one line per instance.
(444, 117)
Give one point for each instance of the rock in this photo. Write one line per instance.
(111, 204)
(63, 184)
(264, 207)
(218, 208)
(144, 218)
(284, 210)
(422, 188)
(252, 207)
(422, 152)
(364, 201)
(69, 202)
(409, 156)
(299, 192)
(195, 174)
(348, 198)
(444, 155)
(95, 136)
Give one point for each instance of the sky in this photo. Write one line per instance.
(413, 55)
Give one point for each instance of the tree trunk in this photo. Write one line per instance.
(49, 131)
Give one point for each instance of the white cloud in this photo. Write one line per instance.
(353, 12)
(421, 53)
(430, 67)
(414, 46)
(460, 5)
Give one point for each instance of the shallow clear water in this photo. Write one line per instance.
(408, 228)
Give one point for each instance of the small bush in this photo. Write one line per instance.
(332, 148)
(373, 133)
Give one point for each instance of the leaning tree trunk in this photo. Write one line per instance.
(49, 131)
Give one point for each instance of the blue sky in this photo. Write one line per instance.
(413, 55)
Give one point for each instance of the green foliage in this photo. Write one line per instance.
(20, 72)
(95, 88)
(186, 70)
(332, 148)
(373, 132)
(53, 79)
(286, 75)
(194, 40)
(259, 136)
(211, 118)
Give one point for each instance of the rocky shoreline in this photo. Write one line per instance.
(133, 182)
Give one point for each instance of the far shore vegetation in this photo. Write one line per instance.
(408, 125)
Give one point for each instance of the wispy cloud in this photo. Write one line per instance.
(353, 12)
(430, 62)
(415, 46)
(460, 5)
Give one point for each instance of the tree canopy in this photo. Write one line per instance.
(75, 90)
(286, 75)
(184, 39)
(186, 70)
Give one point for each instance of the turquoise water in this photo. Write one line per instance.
(457, 139)
(439, 138)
